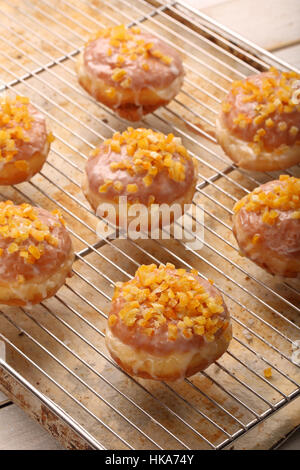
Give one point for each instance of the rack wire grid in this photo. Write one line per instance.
(57, 349)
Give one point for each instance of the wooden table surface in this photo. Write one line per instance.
(272, 24)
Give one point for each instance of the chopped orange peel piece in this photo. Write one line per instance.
(127, 43)
(15, 118)
(171, 298)
(28, 234)
(282, 197)
(273, 97)
(268, 373)
(147, 152)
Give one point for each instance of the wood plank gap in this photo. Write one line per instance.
(5, 403)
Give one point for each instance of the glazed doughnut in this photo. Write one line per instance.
(129, 71)
(259, 123)
(36, 254)
(24, 142)
(167, 323)
(266, 225)
(145, 166)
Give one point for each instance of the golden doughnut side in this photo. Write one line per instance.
(38, 289)
(265, 257)
(244, 156)
(173, 366)
(96, 199)
(11, 174)
(128, 103)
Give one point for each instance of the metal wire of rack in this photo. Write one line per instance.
(57, 349)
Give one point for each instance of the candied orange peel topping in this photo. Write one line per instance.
(14, 119)
(167, 297)
(275, 93)
(274, 96)
(285, 196)
(268, 372)
(25, 231)
(127, 43)
(147, 152)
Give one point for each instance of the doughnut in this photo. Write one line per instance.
(266, 225)
(129, 71)
(167, 323)
(146, 167)
(24, 142)
(36, 253)
(258, 126)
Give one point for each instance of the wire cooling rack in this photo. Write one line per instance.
(56, 350)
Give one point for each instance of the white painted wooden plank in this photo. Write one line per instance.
(19, 432)
(290, 55)
(2, 397)
(271, 24)
(203, 3)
